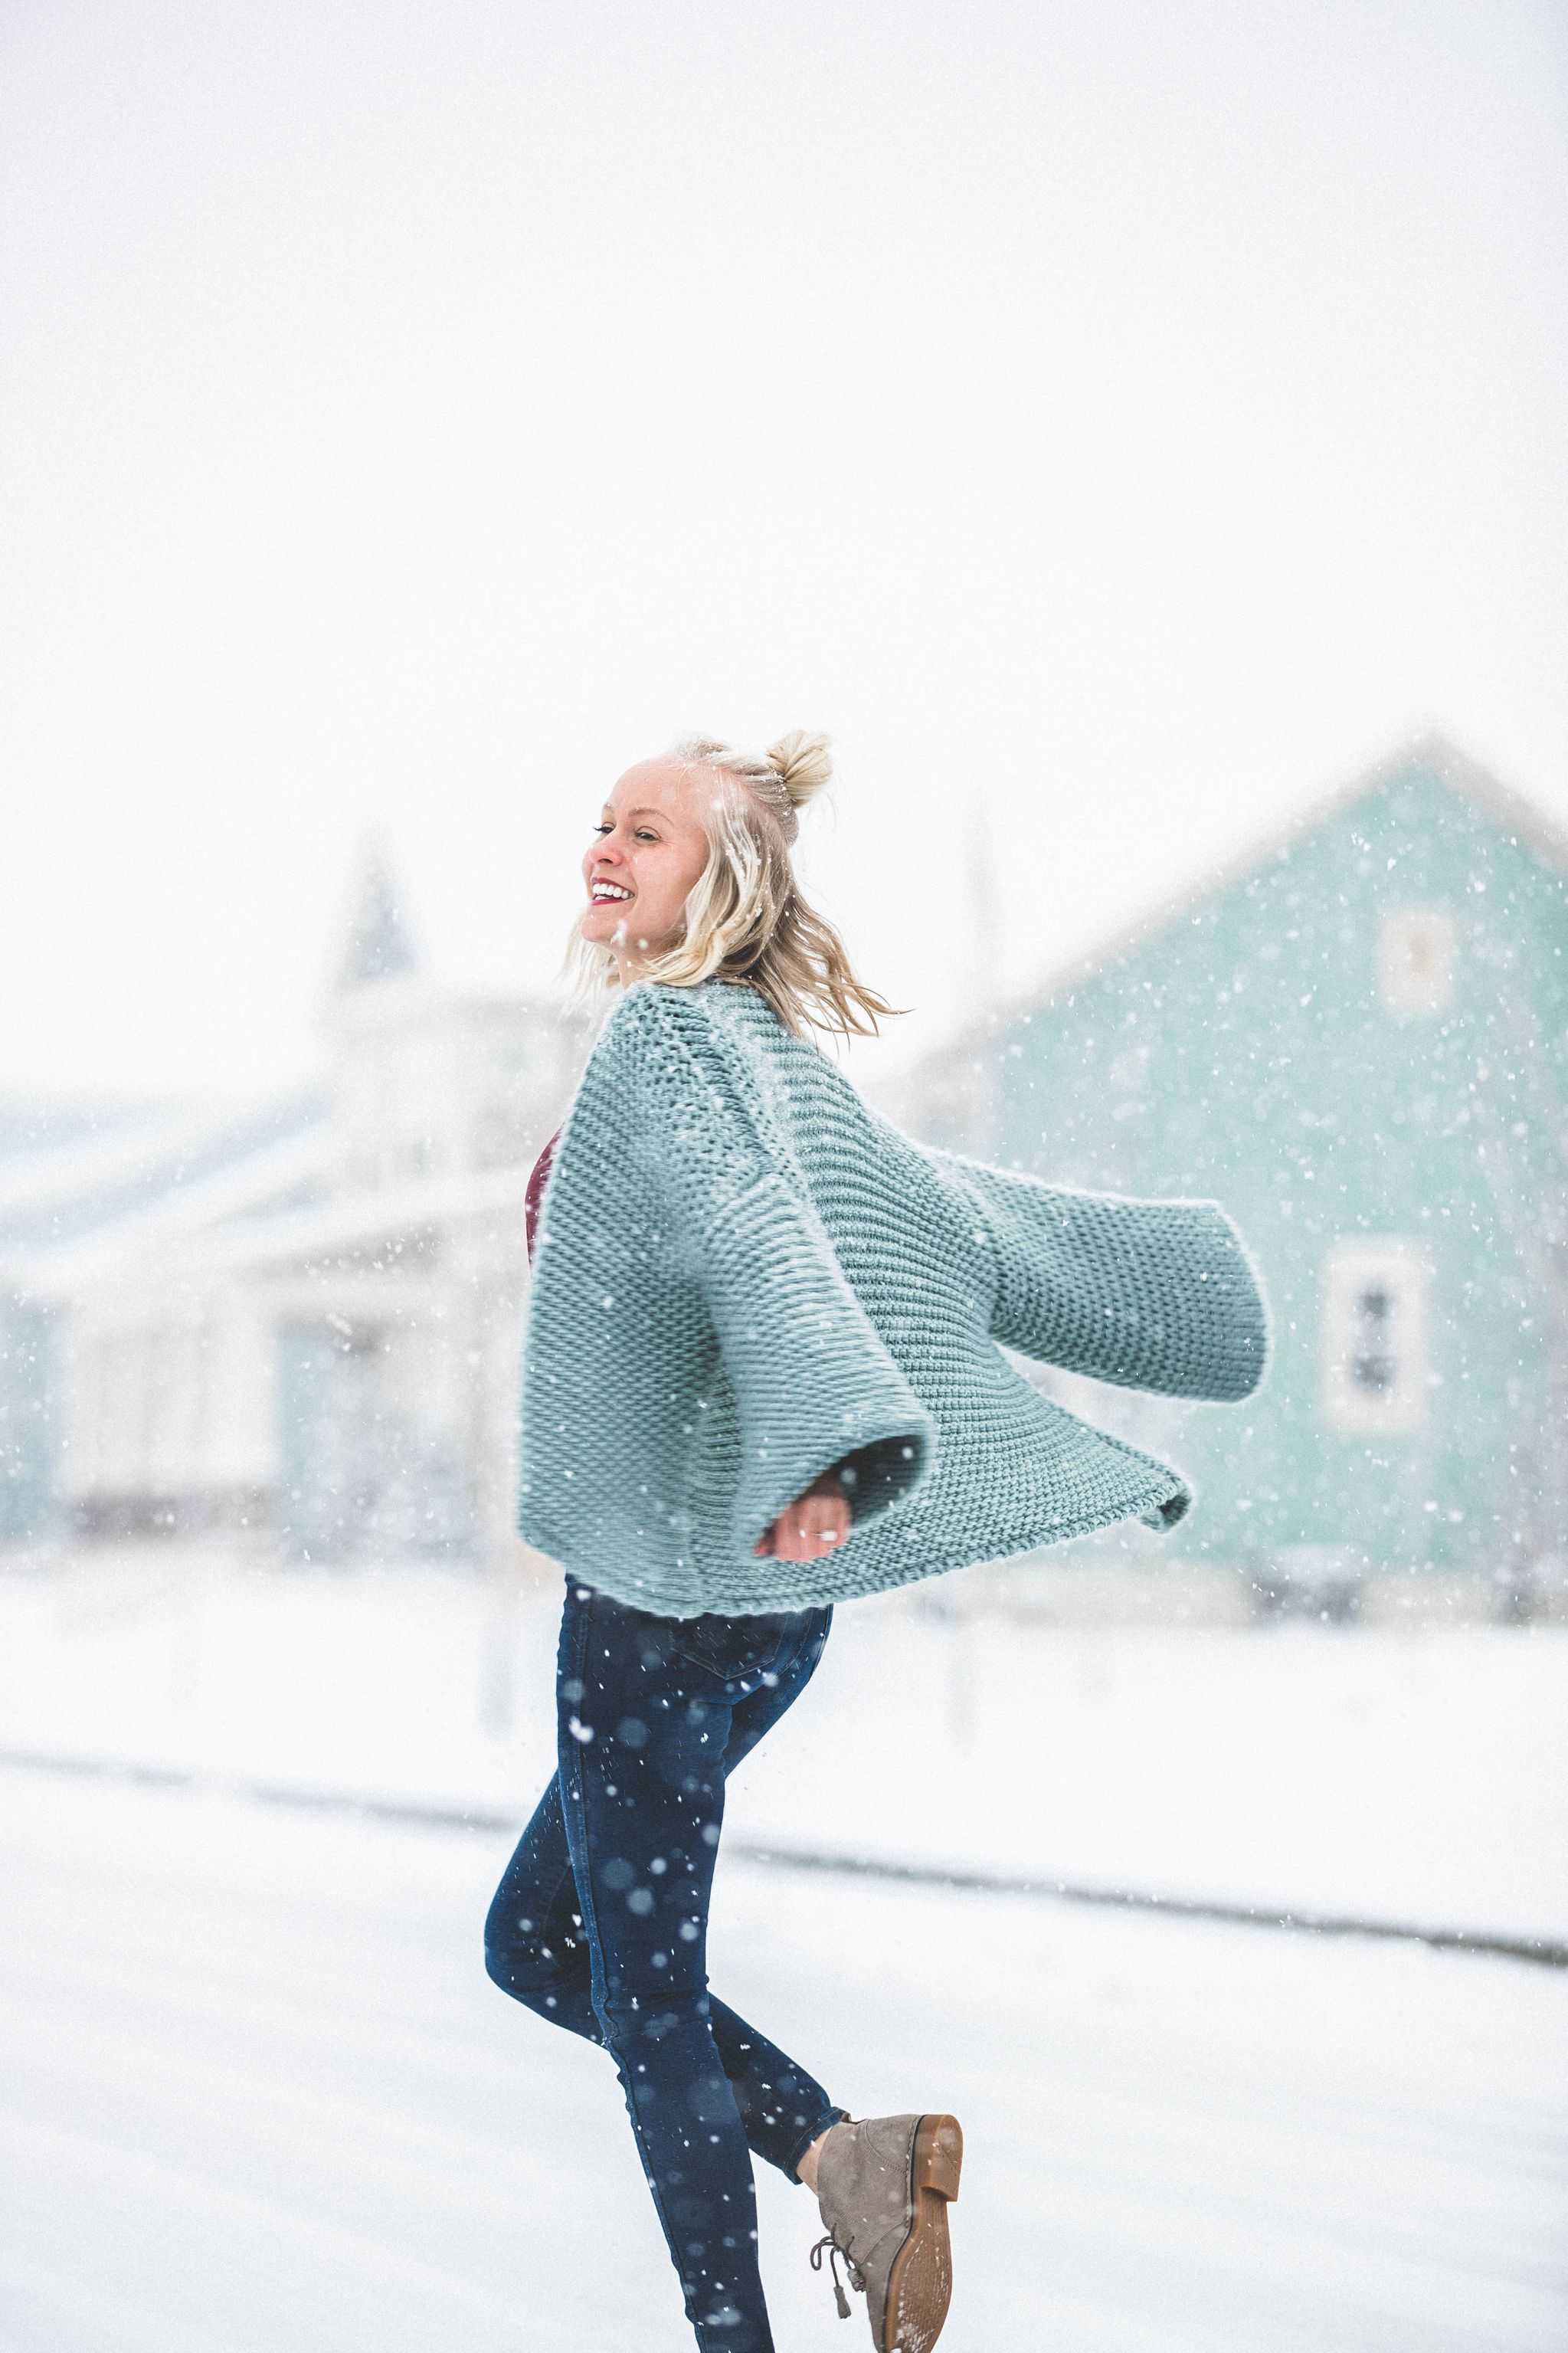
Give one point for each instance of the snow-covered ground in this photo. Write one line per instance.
(259, 2096)
(1416, 1773)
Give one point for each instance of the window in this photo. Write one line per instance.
(1416, 959)
(1374, 1335)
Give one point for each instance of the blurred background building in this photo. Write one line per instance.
(1354, 1034)
(302, 1325)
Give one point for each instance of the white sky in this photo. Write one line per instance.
(1125, 420)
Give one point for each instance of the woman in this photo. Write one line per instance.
(626, 1966)
(761, 1373)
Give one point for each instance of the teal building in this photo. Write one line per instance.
(1354, 1034)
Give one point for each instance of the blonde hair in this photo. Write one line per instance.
(746, 918)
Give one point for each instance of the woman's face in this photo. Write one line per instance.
(651, 843)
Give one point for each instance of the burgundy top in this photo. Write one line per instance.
(535, 1191)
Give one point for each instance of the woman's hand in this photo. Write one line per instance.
(812, 1525)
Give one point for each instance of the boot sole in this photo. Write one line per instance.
(920, 2284)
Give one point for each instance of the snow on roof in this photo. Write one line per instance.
(156, 1223)
(34, 1125)
(1429, 750)
(50, 1199)
(226, 1243)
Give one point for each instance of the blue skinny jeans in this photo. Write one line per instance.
(600, 1922)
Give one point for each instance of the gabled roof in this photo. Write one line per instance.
(1430, 751)
(33, 1125)
(213, 1239)
(50, 1199)
(268, 1182)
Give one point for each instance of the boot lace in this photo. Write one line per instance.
(856, 2277)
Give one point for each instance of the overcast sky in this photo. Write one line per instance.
(1115, 423)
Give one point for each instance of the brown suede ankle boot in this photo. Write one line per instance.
(883, 2185)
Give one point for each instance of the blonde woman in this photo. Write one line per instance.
(760, 1374)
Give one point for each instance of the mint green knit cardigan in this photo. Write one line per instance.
(743, 1275)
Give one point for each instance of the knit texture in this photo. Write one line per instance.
(744, 1275)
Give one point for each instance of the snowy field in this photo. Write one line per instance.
(1416, 1773)
(260, 2097)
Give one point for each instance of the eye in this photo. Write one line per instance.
(645, 832)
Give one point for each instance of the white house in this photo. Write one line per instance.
(304, 1320)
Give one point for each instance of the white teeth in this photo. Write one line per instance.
(609, 891)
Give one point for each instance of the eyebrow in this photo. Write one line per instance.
(641, 812)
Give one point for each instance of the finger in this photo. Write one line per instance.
(816, 1527)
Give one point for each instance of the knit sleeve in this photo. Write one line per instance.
(1150, 1294)
(814, 1386)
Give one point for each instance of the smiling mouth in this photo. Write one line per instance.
(611, 898)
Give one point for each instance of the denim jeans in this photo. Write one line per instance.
(600, 1920)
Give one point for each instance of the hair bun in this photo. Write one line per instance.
(802, 764)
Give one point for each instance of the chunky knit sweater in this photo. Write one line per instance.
(744, 1275)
